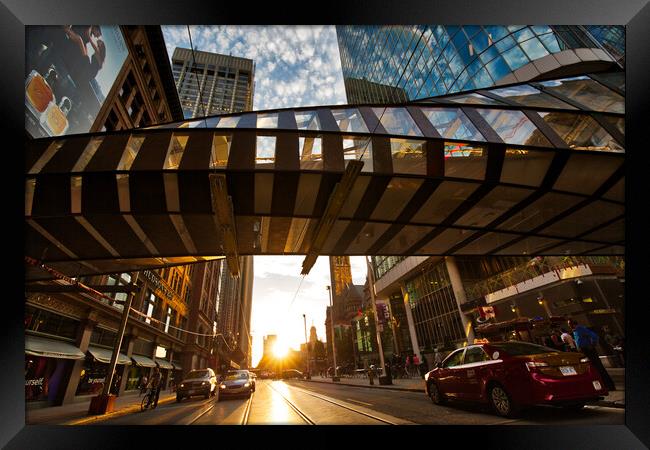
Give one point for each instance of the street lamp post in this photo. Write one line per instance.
(103, 403)
(371, 285)
(334, 375)
(304, 318)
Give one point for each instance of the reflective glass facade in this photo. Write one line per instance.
(388, 63)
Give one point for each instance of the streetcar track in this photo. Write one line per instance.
(203, 413)
(247, 411)
(294, 407)
(346, 407)
(329, 401)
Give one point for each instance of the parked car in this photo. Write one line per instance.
(237, 382)
(197, 382)
(291, 373)
(514, 374)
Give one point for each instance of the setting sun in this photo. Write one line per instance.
(280, 350)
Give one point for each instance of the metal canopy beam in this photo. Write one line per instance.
(332, 212)
(224, 219)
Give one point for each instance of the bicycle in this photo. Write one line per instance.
(147, 400)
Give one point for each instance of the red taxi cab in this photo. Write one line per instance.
(514, 374)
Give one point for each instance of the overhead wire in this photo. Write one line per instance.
(198, 83)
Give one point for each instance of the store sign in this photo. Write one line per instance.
(157, 284)
(70, 71)
(36, 382)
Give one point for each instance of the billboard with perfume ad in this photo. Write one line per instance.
(69, 71)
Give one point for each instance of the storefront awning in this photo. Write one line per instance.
(51, 348)
(176, 365)
(104, 355)
(143, 361)
(164, 364)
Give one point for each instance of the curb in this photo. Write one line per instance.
(120, 412)
(389, 387)
(607, 404)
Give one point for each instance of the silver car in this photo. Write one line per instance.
(237, 382)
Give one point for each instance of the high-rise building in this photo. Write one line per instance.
(391, 64)
(210, 83)
(234, 314)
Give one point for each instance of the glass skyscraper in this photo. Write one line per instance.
(391, 64)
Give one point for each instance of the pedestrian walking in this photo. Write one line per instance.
(614, 345)
(371, 374)
(557, 341)
(415, 365)
(586, 341)
(424, 367)
(407, 365)
(568, 340)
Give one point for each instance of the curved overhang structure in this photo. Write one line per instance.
(532, 169)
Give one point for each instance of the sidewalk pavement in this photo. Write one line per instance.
(615, 399)
(77, 413)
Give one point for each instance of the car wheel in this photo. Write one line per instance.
(436, 396)
(179, 398)
(502, 402)
(207, 395)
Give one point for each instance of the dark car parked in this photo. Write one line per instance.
(197, 382)
(511, 375)
(291, 373)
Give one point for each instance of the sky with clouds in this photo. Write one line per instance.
(294, 66)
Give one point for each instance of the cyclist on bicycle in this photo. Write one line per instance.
(154, 384)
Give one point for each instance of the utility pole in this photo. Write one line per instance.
(334, 375)
(304, 319)
(371, 282)
(103, 403)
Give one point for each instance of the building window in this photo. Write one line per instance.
(150, 307)
(42, 321)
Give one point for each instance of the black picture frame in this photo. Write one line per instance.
(635, 14)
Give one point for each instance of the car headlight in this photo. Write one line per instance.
(223, 386)
(584, 360)
(182, 385)
(203, 383)
(247, 384)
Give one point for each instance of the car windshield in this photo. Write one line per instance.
(198, 374)
(236, 376)
(522, 348)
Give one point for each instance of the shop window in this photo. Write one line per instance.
(43, 378)
(92, 377)
(46, 322)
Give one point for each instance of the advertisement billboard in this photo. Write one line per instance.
(69, 71)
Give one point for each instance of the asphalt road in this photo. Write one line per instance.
(298, 402)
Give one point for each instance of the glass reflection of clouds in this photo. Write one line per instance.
(452, 123)
(307, 120)
(265, 151)
(349, 120)
(397, 121)
(228, 122)
(513, 127)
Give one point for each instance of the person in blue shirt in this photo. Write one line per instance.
(586, 341)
